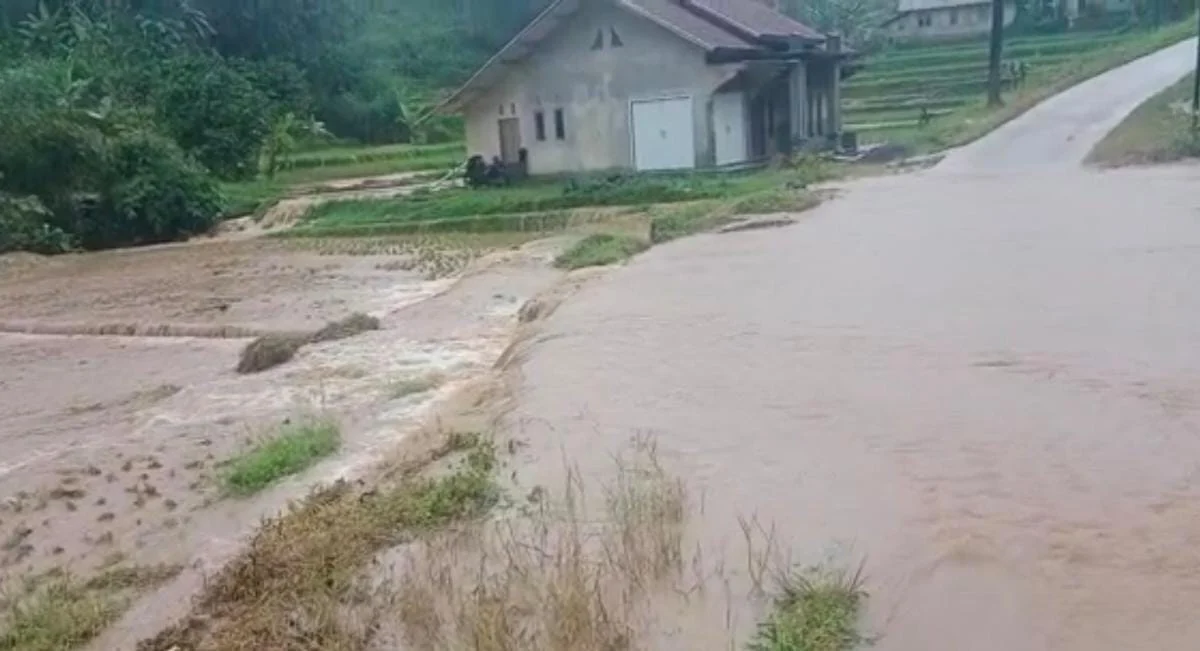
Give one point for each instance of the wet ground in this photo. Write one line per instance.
(983, 379)
(112, 444)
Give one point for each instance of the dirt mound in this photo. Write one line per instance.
(272, 350)
(354, 324)
(268, 352)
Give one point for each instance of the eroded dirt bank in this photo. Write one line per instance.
(112, 443)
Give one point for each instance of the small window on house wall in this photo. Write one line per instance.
(598, 43)
(616, 38)
(560, 126)
(539, 125)
(953, 16)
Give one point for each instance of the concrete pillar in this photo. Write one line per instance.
(834, 45)
(798, 96)
(835, 99)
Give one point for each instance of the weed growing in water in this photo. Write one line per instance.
(293, 449)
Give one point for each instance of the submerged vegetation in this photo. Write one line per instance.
(295, 447)
(598, 250)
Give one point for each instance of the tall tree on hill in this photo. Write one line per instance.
(995, 51)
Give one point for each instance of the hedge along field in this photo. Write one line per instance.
(896, 84)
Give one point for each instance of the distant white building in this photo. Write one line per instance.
(938, 19)
(949, 19)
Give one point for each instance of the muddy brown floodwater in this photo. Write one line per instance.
(985, 384)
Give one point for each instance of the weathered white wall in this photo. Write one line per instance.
(594, 88)
(971, 20)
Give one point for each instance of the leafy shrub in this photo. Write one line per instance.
(50, 149)
(281, 82)
(156, 194)
(214, 113)
(24, 226)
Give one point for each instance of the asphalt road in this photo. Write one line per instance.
(1062, 130)
(984, 379)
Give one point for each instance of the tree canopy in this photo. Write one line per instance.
(118, 117)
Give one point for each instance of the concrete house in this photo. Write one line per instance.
(943, 19)
(653, 85)
(917, 20)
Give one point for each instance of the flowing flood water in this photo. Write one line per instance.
(985, 384)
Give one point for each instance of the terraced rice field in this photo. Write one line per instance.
(895, 84)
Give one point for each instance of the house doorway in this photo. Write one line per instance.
(510, 140)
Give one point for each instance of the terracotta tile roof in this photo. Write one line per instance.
(675, 17)
(755, 18)
(905, 6)
(713, 25)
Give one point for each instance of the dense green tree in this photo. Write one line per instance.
(116, 115)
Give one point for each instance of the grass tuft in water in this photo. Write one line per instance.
(293, 449)
(599, 250)
(817, 610)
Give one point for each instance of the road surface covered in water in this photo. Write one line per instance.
(984, 379)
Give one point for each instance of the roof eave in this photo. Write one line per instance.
(667, 25)
(738, 55)
(515, 50)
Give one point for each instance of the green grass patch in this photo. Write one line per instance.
(59, 612)
(346, 156)
(532, 197)
(1158, 131)
(673, 222)
(600, 249)
(250, 197)
(774, 201)
(538, 206)
(292, 449)
(544, 222)
(816, 610)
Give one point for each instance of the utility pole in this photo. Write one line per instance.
(1196, 79)
(994, 54)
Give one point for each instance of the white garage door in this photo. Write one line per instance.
(729, 127)
(663, 136)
